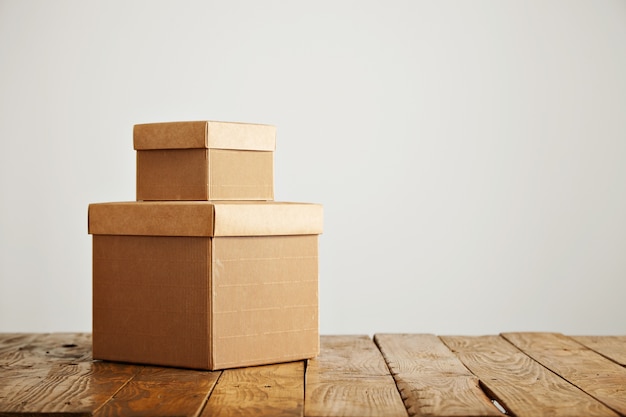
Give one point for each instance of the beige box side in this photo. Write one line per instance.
(151, 300)
(204, 134)
(240, 175)
(264, 300)
(293, 345)
(227, 135)
(264, 219)
(173, 174)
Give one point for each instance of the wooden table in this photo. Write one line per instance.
(526, 374)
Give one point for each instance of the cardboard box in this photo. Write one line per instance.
(204, 160)
(205, 285)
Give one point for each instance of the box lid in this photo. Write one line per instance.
(204, 134)
(205, 218)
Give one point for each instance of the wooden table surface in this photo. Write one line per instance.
(522, 374)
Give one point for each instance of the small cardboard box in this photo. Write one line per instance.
(205, 285)
(204, 160)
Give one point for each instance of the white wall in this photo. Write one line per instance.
(470, 155)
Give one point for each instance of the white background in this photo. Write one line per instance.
(470, 155)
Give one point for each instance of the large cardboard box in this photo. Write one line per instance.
(205, 160)
(206, 285)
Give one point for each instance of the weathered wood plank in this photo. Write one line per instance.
(350, 378)
(54, 373)
(521, 385)
(10, 343)
(23, 363)
(598, 376)
(613, 347)
(157, 391)
(431, 379)
(271, 390)
(44, 349)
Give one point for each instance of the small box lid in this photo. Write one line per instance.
(205, 218)
(204, 134)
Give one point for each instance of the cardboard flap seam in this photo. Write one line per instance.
(268, 258)
(239, 336)
(286, 307)
(206, 135)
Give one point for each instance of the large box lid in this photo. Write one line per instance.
(204, 134)
(205, 218)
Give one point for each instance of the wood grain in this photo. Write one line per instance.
(531, 374)
(600, 377)
(271, 390)
(157, 391)
(44, 349)
(521, 385)
(350, 378)
(54, 373)
(431, 379)
(12, 343)
(613, 347)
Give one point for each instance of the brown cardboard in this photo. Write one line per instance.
(205, 160)
(203, 284)
(205, 218)
(204, 134)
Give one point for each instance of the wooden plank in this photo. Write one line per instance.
(521, 385)
(10, 343)
(270, 390)
(613, 347)
(350, 378)
(54, 373)
(431, 379)
(44, 348)
(157, 391)
(600, 377)
(23, 363)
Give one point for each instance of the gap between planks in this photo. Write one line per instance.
(350, 378)
(593, 373)
(521, 384)
(431, 379)
(54, 373)
(531, 374)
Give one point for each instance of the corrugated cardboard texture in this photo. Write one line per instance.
(204, 134)
(204, 218)
(150, 300)
(240, 175)
(264, 299)
(268, 218)
(180, 174)
(152, 219)
(205, 174)
(207, 303)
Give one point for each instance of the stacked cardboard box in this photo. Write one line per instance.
(205, 270)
